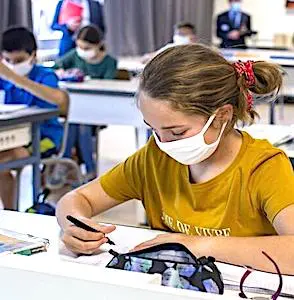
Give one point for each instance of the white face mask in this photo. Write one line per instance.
(181, 39)
(86, 54)
(22, 69)
(192, 150)
(236, 6)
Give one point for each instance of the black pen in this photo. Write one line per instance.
(86, 227)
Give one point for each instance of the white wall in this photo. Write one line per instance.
(268, 16)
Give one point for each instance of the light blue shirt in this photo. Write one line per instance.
(235, 17)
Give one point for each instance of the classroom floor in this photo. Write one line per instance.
(116, 144)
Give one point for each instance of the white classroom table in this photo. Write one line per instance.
(106, 102)
(131, 63)
(282, 58)
(273, 133)
(28, 119)
(45, 276)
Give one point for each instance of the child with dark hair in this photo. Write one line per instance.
(184, 33)
(90, 57)
(92, 13)
(24, 82)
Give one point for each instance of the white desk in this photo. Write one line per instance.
(283, 58)
(45, 55)
(46, 276)
(105, 102)
(273, 133)
(98, 102)
(131, 63)
(32, 117)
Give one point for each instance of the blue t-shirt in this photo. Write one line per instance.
(51, 129)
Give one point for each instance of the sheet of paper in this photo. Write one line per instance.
(233, 274)
(125, 238)
(9, 108)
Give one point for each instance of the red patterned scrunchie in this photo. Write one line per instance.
(246, 68)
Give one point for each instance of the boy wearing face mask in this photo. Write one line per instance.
(90, 57)
(184, 34)
(24, 82)
(233, 26)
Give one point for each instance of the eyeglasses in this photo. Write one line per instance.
(249, 271)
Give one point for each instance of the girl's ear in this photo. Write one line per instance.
(223, 114)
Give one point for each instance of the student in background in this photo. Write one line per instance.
(90, 57)
(233, 26)
(217, 190)
(184, 34)
(92, 14)
(24, 82)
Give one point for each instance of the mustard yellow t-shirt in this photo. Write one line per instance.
(241, 201)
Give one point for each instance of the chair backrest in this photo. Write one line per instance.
(123, 74)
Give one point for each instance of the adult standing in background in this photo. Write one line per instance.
(233, 26)
(92, 14)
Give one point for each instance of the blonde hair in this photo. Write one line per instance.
(197, 80)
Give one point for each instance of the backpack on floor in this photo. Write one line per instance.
(42, 207)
